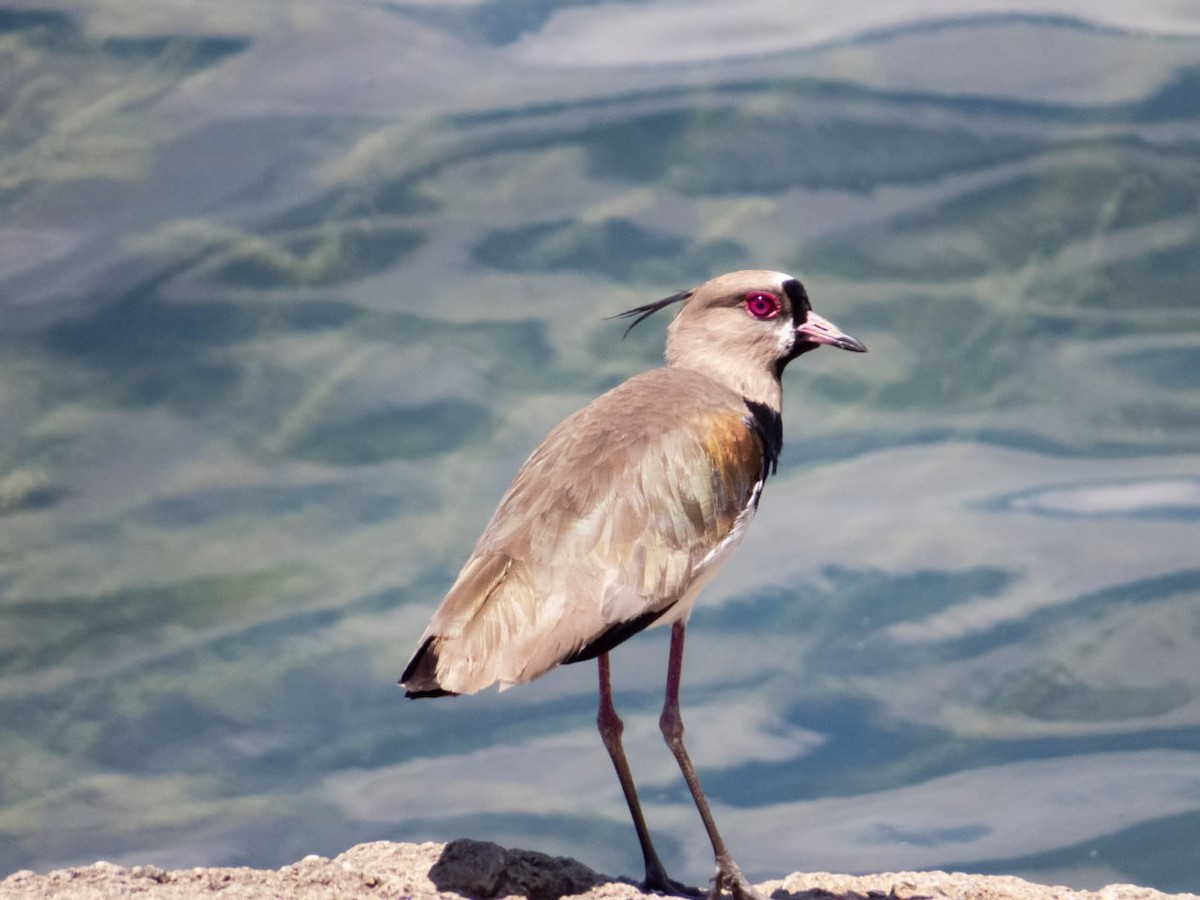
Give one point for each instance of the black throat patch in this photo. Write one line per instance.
(768, 424)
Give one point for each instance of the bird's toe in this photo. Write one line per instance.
(659, 882)
(730, 877)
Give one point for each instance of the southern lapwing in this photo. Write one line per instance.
(624, 512)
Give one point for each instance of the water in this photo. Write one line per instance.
(289, 292)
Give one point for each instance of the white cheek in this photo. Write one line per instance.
(786, 337)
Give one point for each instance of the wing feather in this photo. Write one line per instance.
(607, 527)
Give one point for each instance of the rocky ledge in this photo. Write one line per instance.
(482, 871)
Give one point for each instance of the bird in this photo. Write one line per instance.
(624, 512)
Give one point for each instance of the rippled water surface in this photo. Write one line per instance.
(288, 290)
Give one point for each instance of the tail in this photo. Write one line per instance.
(420, 675)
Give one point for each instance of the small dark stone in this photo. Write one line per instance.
(483, 870)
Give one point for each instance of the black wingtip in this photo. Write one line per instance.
(644, 312)
(434, 692)
(420, 675)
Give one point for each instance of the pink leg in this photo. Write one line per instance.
(611, 727)
(728, 873)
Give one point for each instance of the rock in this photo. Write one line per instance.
(483, 871)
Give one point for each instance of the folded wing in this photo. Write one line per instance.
(612, 525)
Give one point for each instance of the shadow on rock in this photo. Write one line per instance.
(822, 894)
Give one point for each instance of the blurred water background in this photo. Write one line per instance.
(288, 289)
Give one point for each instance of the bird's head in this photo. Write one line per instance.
(743, 328)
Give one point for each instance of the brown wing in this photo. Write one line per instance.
(611, 522)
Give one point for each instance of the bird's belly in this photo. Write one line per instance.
(711, 562)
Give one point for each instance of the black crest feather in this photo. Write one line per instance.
(638, 313)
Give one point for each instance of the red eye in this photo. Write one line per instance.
(762, 305)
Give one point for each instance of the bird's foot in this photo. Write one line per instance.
(730, 877)
(659, 882)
